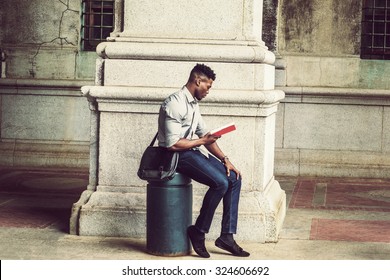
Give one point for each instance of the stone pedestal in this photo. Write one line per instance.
(151, 58)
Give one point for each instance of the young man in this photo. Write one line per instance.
(179, 120)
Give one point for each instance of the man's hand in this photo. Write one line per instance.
(210, 139)
(216, 151)
(229, 166)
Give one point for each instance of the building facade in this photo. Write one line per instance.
(333, 68)
(332, 122)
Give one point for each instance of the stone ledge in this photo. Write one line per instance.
(331, 95)
(252, 97)
(174, 51)
(44, 153)
(147, 100)
(42, 87)
(304, 162)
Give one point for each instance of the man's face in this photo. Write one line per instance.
(203, 86)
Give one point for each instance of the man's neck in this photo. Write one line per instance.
(190, 88)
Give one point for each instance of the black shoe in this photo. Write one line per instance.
(232, 248)
(197, 242)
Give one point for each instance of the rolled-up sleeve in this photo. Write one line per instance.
(172, 124)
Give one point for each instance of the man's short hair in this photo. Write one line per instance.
(202, 70)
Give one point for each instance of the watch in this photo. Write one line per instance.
(224, 159)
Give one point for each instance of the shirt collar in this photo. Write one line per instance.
(189, 96)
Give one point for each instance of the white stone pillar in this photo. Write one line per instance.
(150, 58)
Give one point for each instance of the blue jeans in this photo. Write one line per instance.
(211, 172)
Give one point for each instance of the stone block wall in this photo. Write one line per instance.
(44, 120)
(333, 119)
(43, 124)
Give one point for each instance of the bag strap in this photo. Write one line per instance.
(185, 135)
(154, 140)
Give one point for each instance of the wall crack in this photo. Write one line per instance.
(63, 41)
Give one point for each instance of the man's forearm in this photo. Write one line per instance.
(215, 150)
(186, 144)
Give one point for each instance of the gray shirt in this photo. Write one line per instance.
(175, 118)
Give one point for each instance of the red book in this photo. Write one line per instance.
(223, 129)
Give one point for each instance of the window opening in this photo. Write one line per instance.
(97, 22)
(375, 42)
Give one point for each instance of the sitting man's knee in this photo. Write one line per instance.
(222, 185)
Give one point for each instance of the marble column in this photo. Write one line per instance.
(149, 56)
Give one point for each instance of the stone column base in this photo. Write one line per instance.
(119, 214)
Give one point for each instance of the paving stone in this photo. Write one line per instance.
(327, 219)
